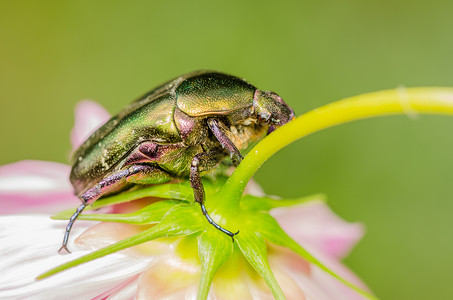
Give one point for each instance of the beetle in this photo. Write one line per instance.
(183, 127)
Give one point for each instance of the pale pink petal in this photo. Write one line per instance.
(29, 247)
(89, 116)
(314, 225)
(169, 278)
(331, 284)
(126, 290)
(254, 189)
(289, 286)
(32, 186)
(316, 284)
(315, 290)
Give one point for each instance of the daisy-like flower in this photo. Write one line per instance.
(167, 268)
(154, 243)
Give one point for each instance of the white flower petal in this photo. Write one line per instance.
(29, 247)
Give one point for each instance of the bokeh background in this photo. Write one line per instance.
(394, 174)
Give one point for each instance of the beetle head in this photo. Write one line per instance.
(269, 108)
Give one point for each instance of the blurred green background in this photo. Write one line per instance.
(393, 174)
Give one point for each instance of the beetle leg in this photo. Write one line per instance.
(99, 190)
(64, 248)
(223, 139)
(198, 191)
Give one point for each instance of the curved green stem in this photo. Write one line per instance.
(409, 101)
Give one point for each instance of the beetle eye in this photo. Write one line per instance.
(275, 121)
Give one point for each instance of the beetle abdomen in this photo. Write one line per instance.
(112, 142)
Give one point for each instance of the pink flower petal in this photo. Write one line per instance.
(314, 282)
(169, 278)
(331, 284)
(253, 188)
(314, 225)
(126, 290)
(289, 286)
(31, 186)
(282, 260)
(89, 116)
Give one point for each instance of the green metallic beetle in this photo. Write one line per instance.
(179, 129)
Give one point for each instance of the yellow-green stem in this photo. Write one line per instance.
(410, 101)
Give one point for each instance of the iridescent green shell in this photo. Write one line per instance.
(152, 118)
(213, 94)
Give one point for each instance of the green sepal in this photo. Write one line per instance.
(254, 249)
(271, 231)
(176, 191)
(214, 249)
(264, 204)
(150, 214)
(180, 220)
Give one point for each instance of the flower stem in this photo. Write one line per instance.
(409, 101)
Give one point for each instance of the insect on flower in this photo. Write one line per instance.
(179, 129)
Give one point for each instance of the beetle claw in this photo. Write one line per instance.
(64, 250)
(233, 234)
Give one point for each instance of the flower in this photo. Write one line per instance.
(169, 267)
